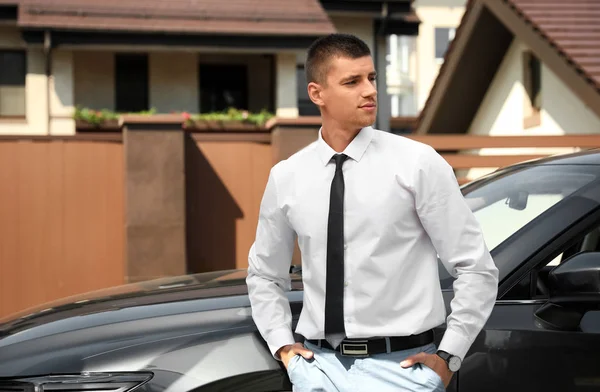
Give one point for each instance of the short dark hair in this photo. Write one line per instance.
(325, 48)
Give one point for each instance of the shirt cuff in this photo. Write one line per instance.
(279, 338)
(454, 343)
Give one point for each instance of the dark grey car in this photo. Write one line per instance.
(195, 333)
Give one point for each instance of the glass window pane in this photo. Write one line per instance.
(13, 68)
(131, 82)
(507, 204)
(12, 100)
(441, 41)
(223, 86)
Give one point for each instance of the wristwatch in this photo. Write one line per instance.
(452, 360)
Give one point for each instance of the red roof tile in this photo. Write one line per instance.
(298, 17)
(572, 27)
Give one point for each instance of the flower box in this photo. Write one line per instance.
(111, 125)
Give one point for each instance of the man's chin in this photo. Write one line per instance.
(368, 121)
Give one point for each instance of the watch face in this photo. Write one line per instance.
(454, 364)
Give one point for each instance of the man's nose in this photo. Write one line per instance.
(370, 90)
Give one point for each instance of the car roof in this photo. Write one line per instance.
(584, 157)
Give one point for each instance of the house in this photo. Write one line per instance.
(519, 67)
(173, 55)
(415, 60)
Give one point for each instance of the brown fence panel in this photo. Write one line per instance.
(61, 219)
(225, 181)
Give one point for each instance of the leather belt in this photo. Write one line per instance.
(371, 346)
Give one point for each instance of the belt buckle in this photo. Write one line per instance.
(355, 349)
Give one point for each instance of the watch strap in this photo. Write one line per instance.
(444, 355)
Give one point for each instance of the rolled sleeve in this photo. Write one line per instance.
(459, 242)
(268, 278)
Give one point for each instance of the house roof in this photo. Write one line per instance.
(572, 27)
(233, 17)
(564, 35)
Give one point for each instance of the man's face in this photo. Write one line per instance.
(349, 96)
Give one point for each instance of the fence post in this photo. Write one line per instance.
(154, 196)
(291, 135)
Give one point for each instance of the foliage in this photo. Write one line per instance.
(99, 117)
(232, 114)
(94, 117)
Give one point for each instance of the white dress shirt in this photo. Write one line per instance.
(402, 208)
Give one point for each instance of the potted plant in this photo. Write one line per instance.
(232, 119)
(89, 119)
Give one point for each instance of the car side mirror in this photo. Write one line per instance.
(574, 288)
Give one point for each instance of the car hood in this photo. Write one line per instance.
(152, 292)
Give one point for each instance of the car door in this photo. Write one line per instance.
(515, 352)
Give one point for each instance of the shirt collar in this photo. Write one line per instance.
(355, 150)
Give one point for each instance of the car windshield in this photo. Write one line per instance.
(511, 199)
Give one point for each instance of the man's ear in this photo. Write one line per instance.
(315, 92)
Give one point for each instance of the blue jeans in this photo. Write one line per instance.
(329, 371)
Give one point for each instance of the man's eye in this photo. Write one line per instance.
(373, 78)
(351, 82)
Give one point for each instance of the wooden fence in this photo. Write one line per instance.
(457, 149)
(61, 219)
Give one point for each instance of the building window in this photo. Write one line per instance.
(223, 86)
(443, 37)
(306, 107)
(532, 83)
(13, 69)
(131, 84)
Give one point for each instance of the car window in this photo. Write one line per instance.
(506, 202)
(534, 285)
(505, 205)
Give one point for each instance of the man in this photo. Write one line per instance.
(372, 212)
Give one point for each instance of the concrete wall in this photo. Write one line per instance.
(502, 109)
(362, 27)
(286, 92)
(42, 94)
(173, 81)
(94, 74)
(432, 13)
(62, 93)
(36, 103)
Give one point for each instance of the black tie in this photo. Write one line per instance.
(334, 291)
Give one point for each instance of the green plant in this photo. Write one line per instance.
(149, 112)
(233, 114)
(94, 117)
(98, 117)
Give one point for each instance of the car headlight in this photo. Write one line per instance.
(88, 382)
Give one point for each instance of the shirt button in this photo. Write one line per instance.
(346, 284)
(345, 246)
